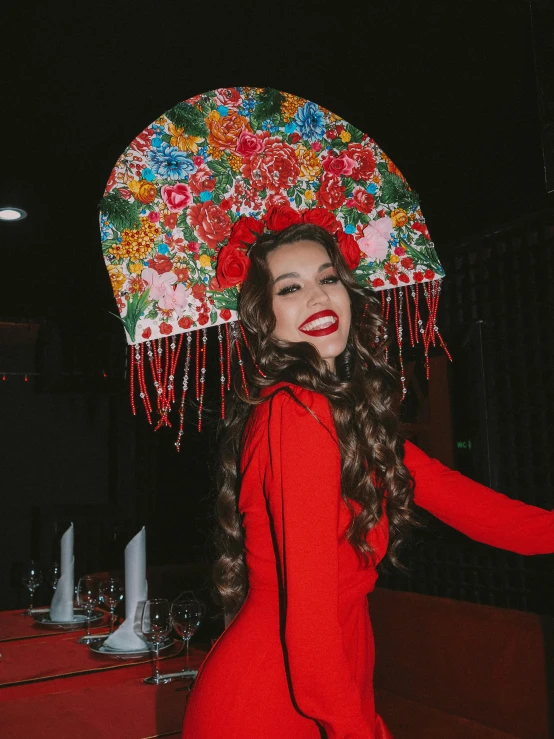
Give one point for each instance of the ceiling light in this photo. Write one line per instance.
(12, 214)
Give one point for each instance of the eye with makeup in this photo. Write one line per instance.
(330, 279)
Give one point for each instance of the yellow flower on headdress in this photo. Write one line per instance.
(204, 260)
(289, 106)
(183, 141)
(117, 278)
(345, 136)
(309, 195)
(394, 258)
(136, 243)
(135, 267)
(399, 217)
(310, 165)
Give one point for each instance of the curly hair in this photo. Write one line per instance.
(363, 394)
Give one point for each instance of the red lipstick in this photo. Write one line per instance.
(327, 323)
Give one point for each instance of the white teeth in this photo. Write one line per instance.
(319, 323)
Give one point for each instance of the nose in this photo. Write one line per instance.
(318, 296)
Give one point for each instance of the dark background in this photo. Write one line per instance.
(449, 90)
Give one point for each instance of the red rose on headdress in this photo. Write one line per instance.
(331, 193)
(422, 228)
(349, 249)
(176, 197)
(211, 224)
(232, 266)
(393, 280)
(185, 322)
(228, 96)
(203, 319)
(418, 276)
(246, 230)
(341, 165)
(429, 274)
(365, 161)
(276, 198)
(403, 277)
(203, 179)
(321, 217)
(362, 200)
(166, 329)
(198, 290)
(225, 314)
(147, 333)
(377, 282)
(279, 217)
(407, 263)
(251, 143)
(225, 130)
(161, 264)
(275, 168)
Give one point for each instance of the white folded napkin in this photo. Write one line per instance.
(129, 635)
(61, 608)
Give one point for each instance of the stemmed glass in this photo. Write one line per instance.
(88, 596)
(186, 614)
(156, 625)
(53, 575)
(111, 593)
(32, 578)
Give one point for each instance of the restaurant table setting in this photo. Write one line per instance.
(55, 674)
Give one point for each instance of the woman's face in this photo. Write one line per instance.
(310, 302)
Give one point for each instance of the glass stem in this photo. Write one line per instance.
(88, 623)
(112, 619)
(32, 593)
(156, 660)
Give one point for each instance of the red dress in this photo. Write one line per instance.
(298, 658)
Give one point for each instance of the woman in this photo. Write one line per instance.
(315, 488)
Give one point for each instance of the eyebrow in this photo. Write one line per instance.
(295, 274)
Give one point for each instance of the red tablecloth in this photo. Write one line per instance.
(54, 683)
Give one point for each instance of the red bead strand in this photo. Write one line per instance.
(132, 378)
(221, 371)
(203, 352)
(184, 394)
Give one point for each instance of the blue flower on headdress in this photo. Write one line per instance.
(168, 161)
(309, 120)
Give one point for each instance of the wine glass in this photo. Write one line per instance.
(111, 593)
(156, 625)
(186, 615)
(88, 596)
(31, 578)
(53, 575)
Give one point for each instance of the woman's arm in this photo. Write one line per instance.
(476, 510)
(302, 484)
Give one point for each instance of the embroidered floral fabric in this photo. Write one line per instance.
(176, 193)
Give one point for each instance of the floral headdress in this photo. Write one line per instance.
(195, 188)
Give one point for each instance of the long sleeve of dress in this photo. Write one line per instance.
(302, 485)
(476, 510)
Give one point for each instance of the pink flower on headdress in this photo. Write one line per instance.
(341, 165)
(179, 297)
(176, 197)
(158, 284)
(211, 224)
(274, 168)
(203, 179)
(375, 241)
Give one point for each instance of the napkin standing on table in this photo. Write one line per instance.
(61, 608)
(129, 635)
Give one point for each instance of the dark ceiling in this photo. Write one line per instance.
(446, 88)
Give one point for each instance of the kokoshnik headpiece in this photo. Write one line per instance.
(192, 192)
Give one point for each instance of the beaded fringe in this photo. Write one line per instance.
(158, 359)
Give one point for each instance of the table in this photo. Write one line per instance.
(51, 683)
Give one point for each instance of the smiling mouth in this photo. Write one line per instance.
(320, 324)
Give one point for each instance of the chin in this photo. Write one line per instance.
(330, 350)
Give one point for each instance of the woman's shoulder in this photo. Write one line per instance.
(291, 401)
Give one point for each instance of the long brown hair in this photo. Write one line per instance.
(363, 395)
